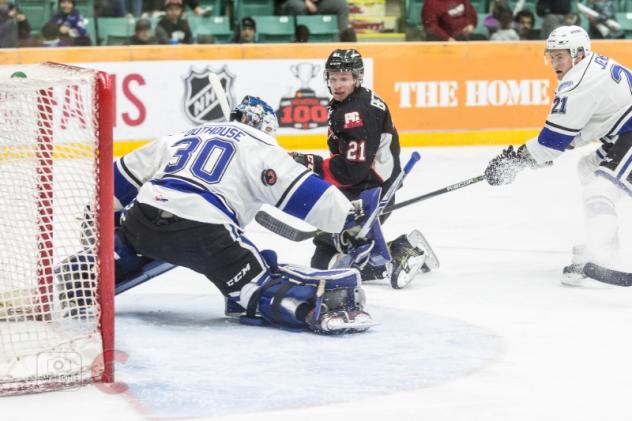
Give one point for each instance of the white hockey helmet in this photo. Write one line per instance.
(572, 38)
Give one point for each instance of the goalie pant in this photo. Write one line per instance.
(252, 284)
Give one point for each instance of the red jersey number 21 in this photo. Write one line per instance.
(356, 150)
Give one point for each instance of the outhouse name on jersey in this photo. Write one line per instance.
(478, 93)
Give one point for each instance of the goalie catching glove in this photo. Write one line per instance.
(503, 168)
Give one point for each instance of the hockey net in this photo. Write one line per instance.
(56, 250)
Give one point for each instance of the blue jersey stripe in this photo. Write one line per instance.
(554, 140)
(305, 196)
(627, 127)
(184, 187)
(124, 191)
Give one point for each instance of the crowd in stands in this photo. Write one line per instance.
(167, 21)
(455, 20)
(155, 22)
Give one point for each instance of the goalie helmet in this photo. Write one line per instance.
(348, 60)
(256, 113)
(572, 38)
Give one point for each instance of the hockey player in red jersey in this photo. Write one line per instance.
(364, 147)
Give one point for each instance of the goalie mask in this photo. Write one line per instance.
(256, 113)
(348, 60)
(572, 38)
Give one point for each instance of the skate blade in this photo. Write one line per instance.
(417, 239)
(340, 325)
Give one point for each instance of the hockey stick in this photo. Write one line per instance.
(220, 94)
(285, 230)
(294, 234)
(366, 227)
(609, 276)
(426, 196)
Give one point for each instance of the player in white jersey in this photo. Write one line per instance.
(593, 101)
(188, 196)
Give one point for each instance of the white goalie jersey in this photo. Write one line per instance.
(592, 102)
(222, 173)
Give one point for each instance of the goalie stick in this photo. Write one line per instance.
(285, 230)
(216, 84)
(608, 276)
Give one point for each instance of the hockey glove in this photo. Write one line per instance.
(503, 168)
(311, 161)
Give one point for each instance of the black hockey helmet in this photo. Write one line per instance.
(348, 60)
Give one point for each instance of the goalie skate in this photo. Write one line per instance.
(341, 321)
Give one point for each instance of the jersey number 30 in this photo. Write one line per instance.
(209, 158)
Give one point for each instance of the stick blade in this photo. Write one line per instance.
(608, 276)
(281, 228)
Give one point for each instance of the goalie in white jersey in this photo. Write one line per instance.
(593, 101)
(188, 196)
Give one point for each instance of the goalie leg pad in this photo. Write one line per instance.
(76, 284)
(298, 298)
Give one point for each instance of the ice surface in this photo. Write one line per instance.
(491, 336)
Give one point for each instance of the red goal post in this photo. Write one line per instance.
(56, 227)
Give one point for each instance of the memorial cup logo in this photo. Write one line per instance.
(303, 110)
(200, 101)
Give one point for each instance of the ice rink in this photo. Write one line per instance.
(491, 336)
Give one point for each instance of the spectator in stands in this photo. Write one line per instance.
(523, 24)
(173, 28)
(8, 27)
(246, 32)
(72, 26)
(348, 35)
(24, 27)
(142, 34)
(505, 32)
(449, 20)
(154, 7)
(50, 37)
(553, 13)
(340, 8)
(605, 25)
(301, 33)
(492, 21)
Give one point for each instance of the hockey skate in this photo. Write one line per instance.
(411, 254)
(376, 273)
(574, 273)
(340, 321)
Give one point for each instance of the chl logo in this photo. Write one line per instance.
(200, 101)
(352, 120)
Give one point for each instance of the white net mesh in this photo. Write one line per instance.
(49, 313)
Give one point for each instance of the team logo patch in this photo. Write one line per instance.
(565, 85)
(200, 101)
(269, 177)
(305, 109)
(352, 120)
